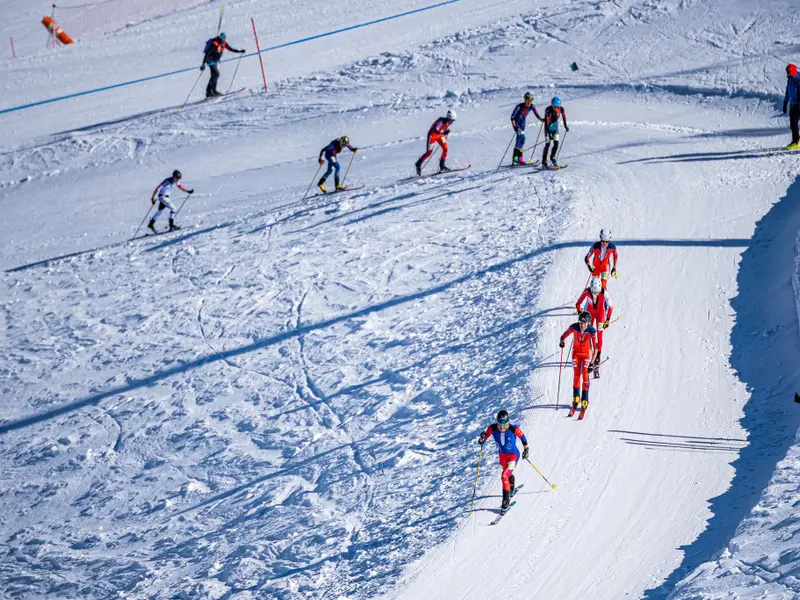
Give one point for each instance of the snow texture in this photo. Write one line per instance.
(282, 399)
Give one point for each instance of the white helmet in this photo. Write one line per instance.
(605, 235)
(595, 286)
(451, 114)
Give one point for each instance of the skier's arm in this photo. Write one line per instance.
(354, 150)
(564, 118)
(786, 96)
(580, 301)
(588, 256)
(514, 116)
(155, 191)
(232, 49)
(485, 435)
(564, 336)
(518, 432)
(609, 309)
(615, 256)
(536, 113)
(180, 187)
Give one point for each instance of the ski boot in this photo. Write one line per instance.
(506, 504)
(321, 185)
(443, 168)
(793, 146)
(340, 188)
(554, 164)
(575, 402)
(173, 226)
(515, 160)
(418, 167)
(584, 406)
(152, 225)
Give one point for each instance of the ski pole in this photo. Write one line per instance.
(552, 485)
(609, 323)
(236, 70)
(536, 144)
(312, 182)
(182, 203)
(560, 367)
(429, 158)
(190, 92)
(475, 489)
(506, 152)
(561, 147)
(352, 156)
(143, 220)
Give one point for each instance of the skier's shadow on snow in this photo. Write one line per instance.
(290, 334)
(764, 356)
(708, 156)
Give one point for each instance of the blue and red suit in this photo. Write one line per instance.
(330, 152)
(507, 447)
(518, 117)
(551, 116)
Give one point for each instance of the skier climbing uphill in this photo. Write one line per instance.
(602, 258)
(596, 302)
(791, 100)
(551, 116)
(518, 117)
(161, 193)
(212, 55)
(505, 436)
(437, 134)
(584, 347)
(331, 152)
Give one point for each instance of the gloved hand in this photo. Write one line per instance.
(190, 192)
(482, 438)
(202, 68)
(590, 368)
(446, 133)
(566, 128)
(152, 200)
(321, 162)
(606, 323)
(242, 51)
(561, 344)
(591, 268)
(355, 150)
(524, 453)
(517, 130)
(614, 273)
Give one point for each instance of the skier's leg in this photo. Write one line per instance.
(554, 153)
(604, 279)
(161, 207)
(794, 119)
(336, 166)
(327, 173)
(212, 83)
(546, 149)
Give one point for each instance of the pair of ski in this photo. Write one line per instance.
(346, 188)
(505, 510)
(536, 164)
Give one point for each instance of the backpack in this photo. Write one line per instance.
(208, 45)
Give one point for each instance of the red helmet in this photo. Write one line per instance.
(791, 70)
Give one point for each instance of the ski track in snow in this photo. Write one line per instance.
(283, 401)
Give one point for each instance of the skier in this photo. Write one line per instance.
(518, 123)
(584, 347)
(213, 53)
(551, 115)
(330, 152)
(596, 302)
(791, 100)
(505, 436)
(437, 134)
(602, 258)
(163, 190)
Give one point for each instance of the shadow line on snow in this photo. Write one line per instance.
(764, 342)
(278, 338)
(709, 156)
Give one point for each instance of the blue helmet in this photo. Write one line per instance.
(556, 101)
(222, 36)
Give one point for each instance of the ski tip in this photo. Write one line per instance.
(553, 485)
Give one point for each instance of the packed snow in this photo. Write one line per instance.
(282, 400)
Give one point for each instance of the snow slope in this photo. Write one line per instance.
(282, 400)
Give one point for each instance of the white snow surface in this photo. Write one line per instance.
(282, 400)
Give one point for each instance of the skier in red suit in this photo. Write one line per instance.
(602, 258)
(584, 347)
(596, 302)
(437, 134)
